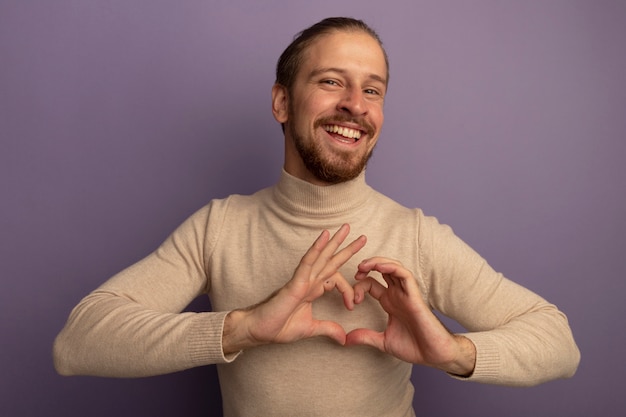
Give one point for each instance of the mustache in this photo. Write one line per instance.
(342, 118)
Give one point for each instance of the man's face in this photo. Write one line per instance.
(334, 111)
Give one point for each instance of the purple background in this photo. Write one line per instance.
(118, 119)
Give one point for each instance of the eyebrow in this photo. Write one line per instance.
(318, 71)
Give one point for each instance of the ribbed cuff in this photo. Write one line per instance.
(488, 365)
(205, 340)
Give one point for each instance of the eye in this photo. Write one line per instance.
(330, 82)
(373, 93)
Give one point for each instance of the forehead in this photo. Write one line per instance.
(350, 50)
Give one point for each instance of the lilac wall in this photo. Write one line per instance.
(120, 118)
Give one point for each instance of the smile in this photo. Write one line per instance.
(346, 132)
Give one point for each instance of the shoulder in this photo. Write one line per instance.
(218, 213)
(219, 207)
(397, 213)
(431, 236)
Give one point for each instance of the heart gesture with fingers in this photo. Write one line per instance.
(287, 315)
(413, 333)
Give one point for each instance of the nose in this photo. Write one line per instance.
(353, 102)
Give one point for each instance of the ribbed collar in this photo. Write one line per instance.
(303, 198)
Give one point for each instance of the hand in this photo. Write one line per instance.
(413, 333)
(286, 316)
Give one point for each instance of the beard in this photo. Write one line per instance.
(330, 168)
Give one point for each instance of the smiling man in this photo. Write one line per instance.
(333, 109)
(307, 322)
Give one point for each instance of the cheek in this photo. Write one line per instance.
(377, 120)
(304, 112)
(319, 104)
(379, 116)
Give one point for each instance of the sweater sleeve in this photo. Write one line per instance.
(520, 338)
(133, 325)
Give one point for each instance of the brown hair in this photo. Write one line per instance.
(291, 58)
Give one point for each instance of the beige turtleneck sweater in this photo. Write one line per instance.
(240, 249)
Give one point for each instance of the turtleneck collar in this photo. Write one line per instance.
(303, 198)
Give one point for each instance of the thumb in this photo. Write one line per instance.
(366, 337)
(331, 330)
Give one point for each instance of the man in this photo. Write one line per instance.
(330, 327)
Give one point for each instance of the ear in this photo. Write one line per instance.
(279, 103)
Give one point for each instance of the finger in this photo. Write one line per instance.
(368, 265)
(389, 280)
(315, 249)
(397, 275)
(345, 254)
(346, 290)
(368, 285)
(335, 241)
(331, 265)
(328, 248)
(393, 269)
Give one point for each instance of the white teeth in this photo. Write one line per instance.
(343, 131)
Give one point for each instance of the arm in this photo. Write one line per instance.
(520, 338)
(132, 325)
(515, 337)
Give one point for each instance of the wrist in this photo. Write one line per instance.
(235, 336)
(465, 362)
